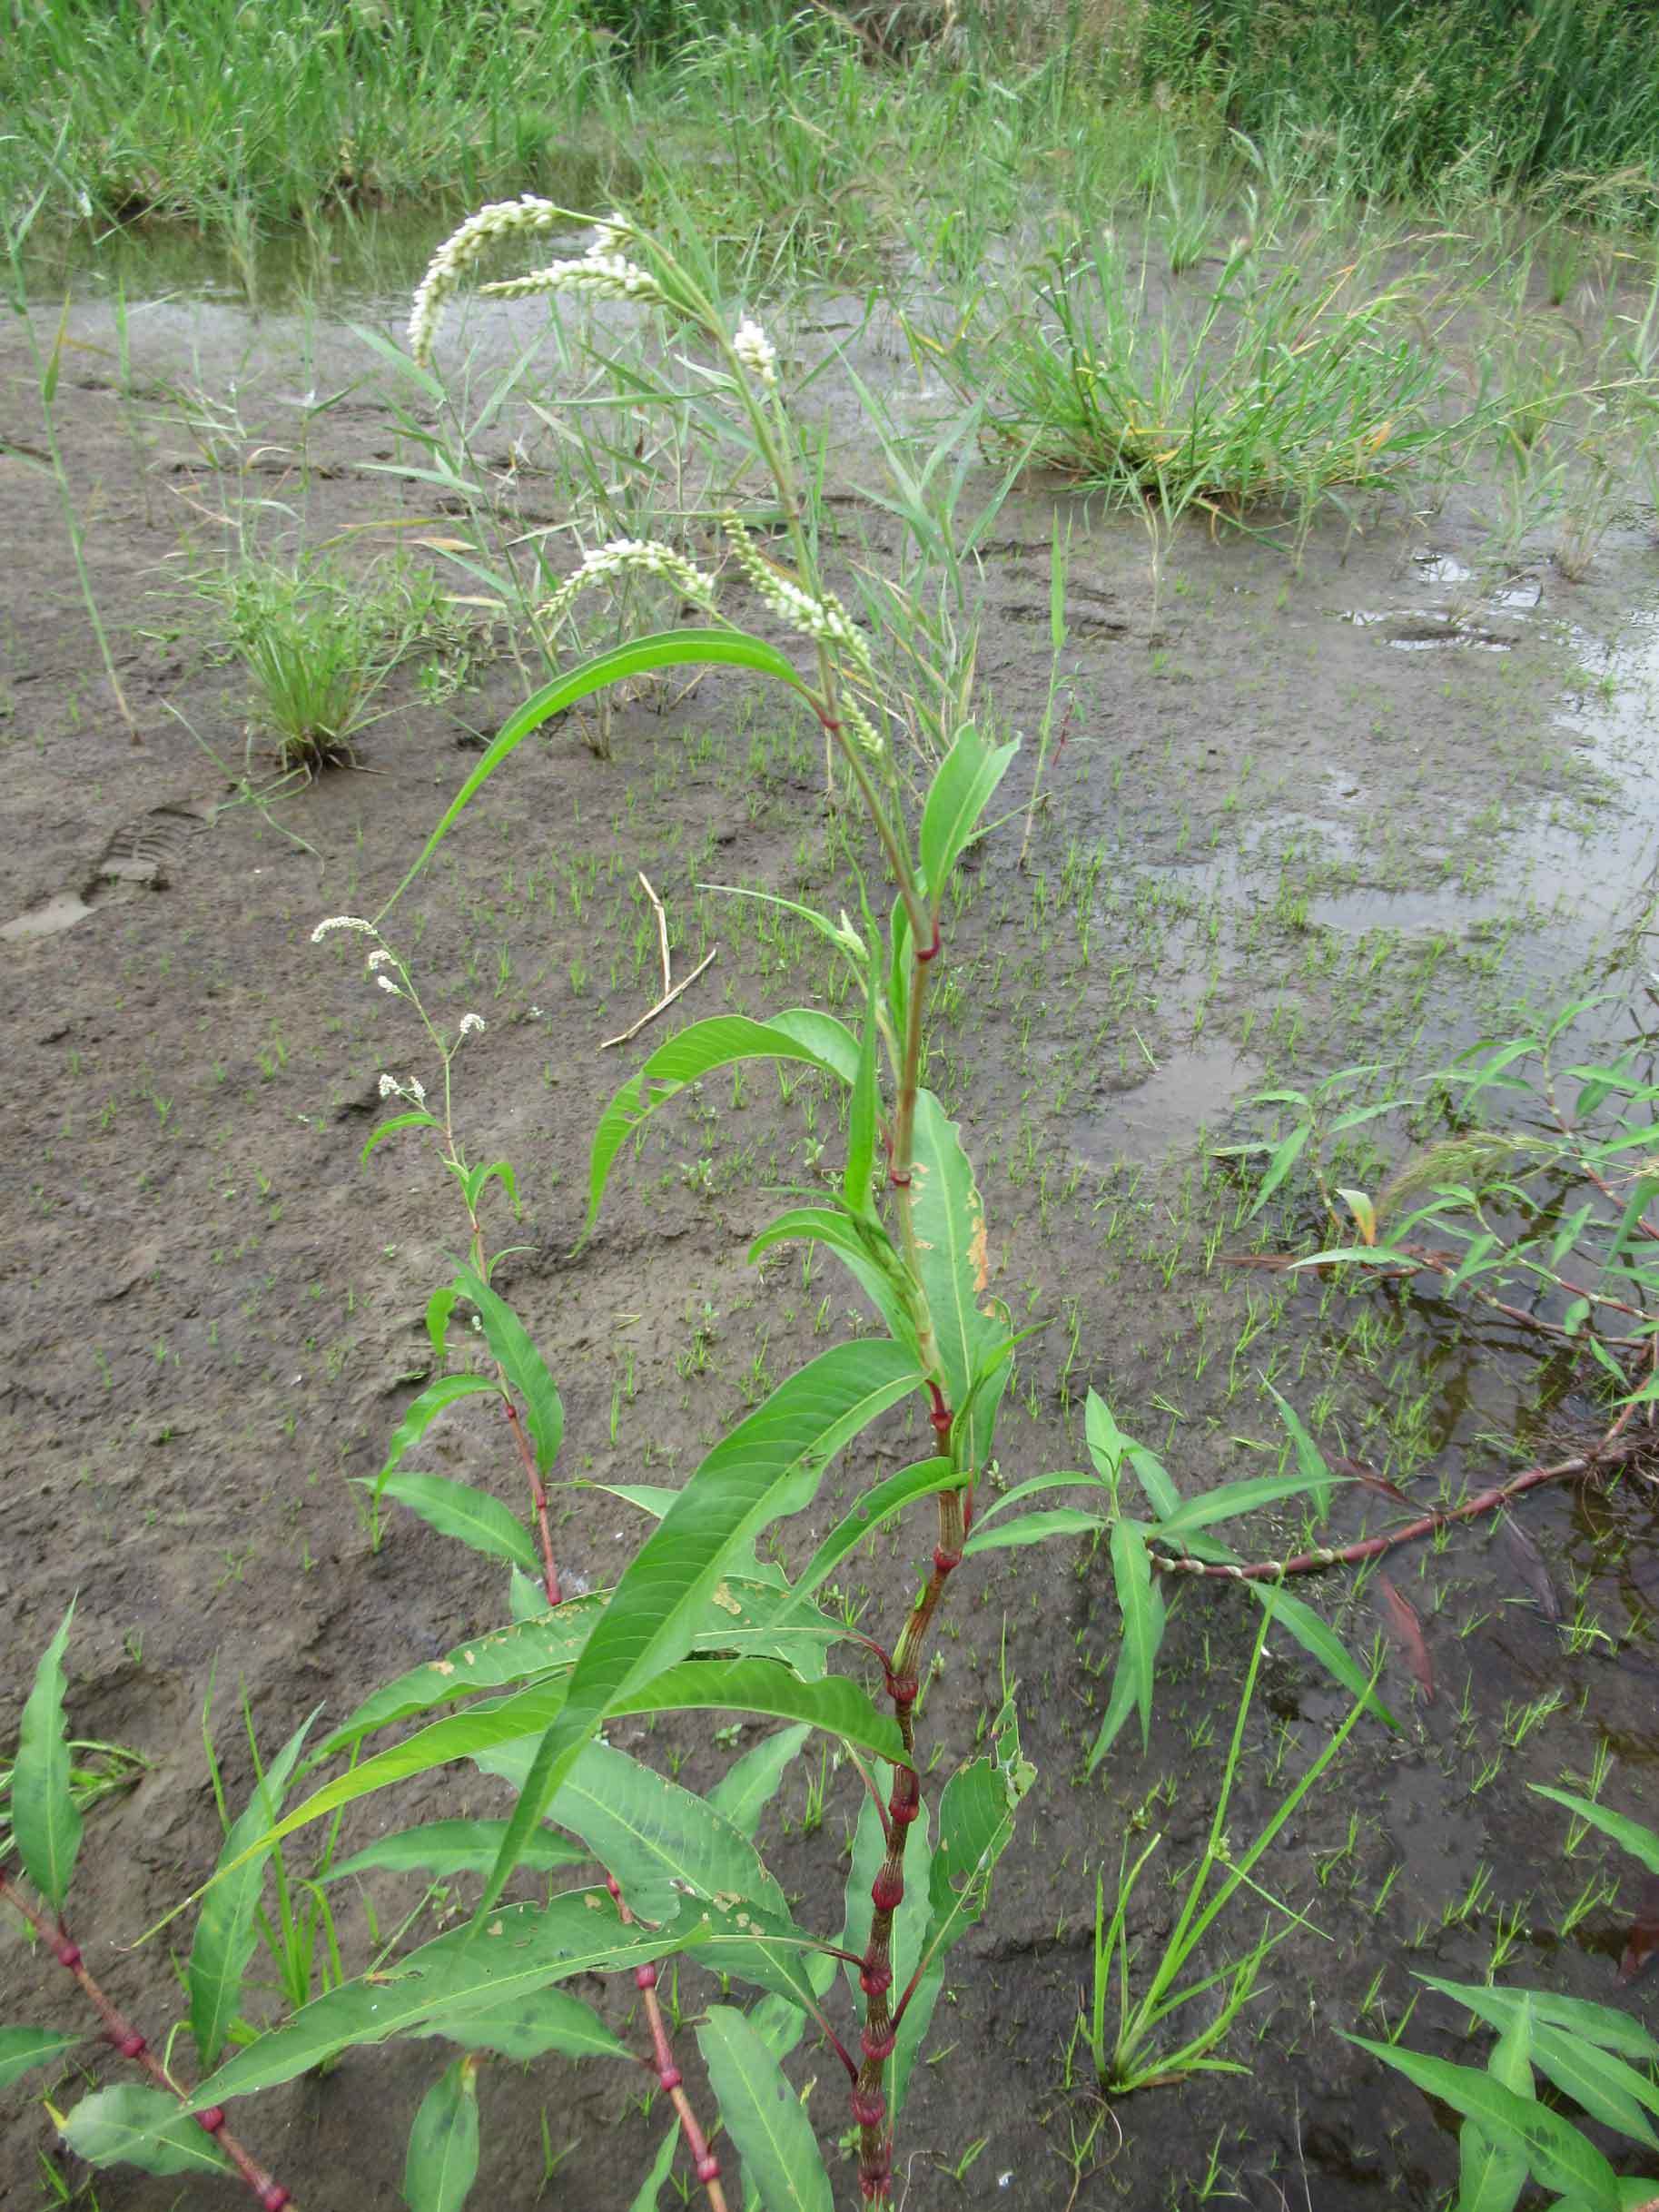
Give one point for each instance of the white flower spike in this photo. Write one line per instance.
(336, 922)
(756, 351)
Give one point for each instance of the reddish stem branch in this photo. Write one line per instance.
(549, 1572)
(703, 2163)
(1608, 1453)
(120, 2031)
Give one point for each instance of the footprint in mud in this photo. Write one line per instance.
(142, 855)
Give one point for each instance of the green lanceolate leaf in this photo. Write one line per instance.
(800, 1034)
(671, 649)
(1234, 1497)
(750, 1784)
(1561, 2157)
(950, 1224)
(1034, 1528)
(390, 1128)
(840, 1708)
(1310, 1459)
(855, 1185)
(526, 2027)
(510, 1342)
(864, 1249)
(22, 2050)
(130, 2126)
(454, 1847)
(650, 2188)
(425, 1409)
(1141, 1602)
(517, 1950)
(45, 1823)
(923, 1480)
(443, 2144)
(1491, 2165)
(225, 1932)
(1598, 2024)
(1314, 1635)
(762, 2115)
(976, 1824)
(1641, 1843)
(540, 1645)
(1602, 2084)
(770, 1465)
(962, 790)
(482, 1522)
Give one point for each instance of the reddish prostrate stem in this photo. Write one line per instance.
(880, 2031)
(703, 2163)
(120, 2031)
(1608, 1454)
(549, 1572)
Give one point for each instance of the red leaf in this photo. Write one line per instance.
(1643, 1941)
(1529, 1562)
(1400, 1616)
(1370, 1477)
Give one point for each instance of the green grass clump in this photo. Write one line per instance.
(1267, 391)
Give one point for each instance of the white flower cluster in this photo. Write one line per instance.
(859, 729)
(601, 276)
(756, 351)
(410, 1087)
(336, 922)
(472, 1025)
(824, 619)
(457, 254)
(622, 554)
(612, 235)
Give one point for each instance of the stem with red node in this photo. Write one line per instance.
(127, 2039)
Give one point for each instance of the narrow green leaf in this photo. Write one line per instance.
(1599, 2024)
(1141, 1602)
(949, 1216)
(1491, 2163)
(770, 1465)
(762, 2115)
(519, 1950)
(526, 2027)
(840, 1708)
(539, 1646)
(963, 787)
(130, 2126)
(855, 1187)
(801, 1034)
(1233, 1497)
(1561, 2157)
(671, 649)
(470, 1516)
(1316, 1637)
(650, 2188)
(45, 1823)
(509, 1342)
(390, 1128)
(1032, 1528)
(425, 1409)
(225, 1934)
(454, 1847)
(22, 2050)
(1066, 1480)
(750, 1784)
(1641, 1843)
(863, 1248)
(1604, 2086)
(1310, 1459)
(1284, 1158)
(443, 2144)
(883, 1499)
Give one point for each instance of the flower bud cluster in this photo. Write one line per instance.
(824, 620)
(621, 556)
(500, 219)
(601, 276)
(756, 351)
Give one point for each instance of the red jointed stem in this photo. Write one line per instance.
(1608, 1454)
(126, 2038)
(703, 2163)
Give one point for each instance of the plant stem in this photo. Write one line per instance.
(120, 2031)
(704, 2164)
(1608, 1454)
